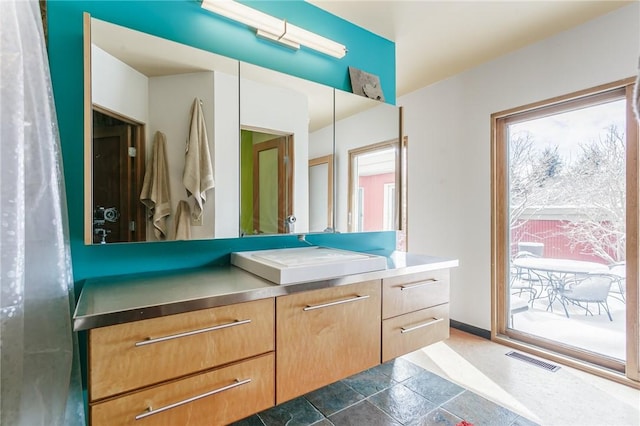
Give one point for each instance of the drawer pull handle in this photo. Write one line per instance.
(416, 327)
(150, 411)
(422, 284)
(337, 302)
(191, 333)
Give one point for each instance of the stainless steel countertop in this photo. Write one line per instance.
(120, 299)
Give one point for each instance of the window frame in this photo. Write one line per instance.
(500, 332)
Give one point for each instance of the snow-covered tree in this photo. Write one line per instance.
(593, 184)
(532, 176)
(596, 183)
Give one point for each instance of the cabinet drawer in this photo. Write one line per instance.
(326, 335)
(216, 397)
(412, 331)
(129, 356)
(409, 293)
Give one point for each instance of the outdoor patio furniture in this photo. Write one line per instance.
(618, 270)
(532, 247)
(593, 288)
(553, 273)
(516, 306)
(520, 285)
(522, 280)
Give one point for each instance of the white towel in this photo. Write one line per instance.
(198, 171)
(155, 192)
(183, 221)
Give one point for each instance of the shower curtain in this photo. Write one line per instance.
(39, 374)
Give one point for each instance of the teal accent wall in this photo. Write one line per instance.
(186, 22)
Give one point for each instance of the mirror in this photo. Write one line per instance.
(161, 138)
(137, 84)
(279, 115)
(369, 153)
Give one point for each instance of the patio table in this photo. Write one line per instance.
(556, 271)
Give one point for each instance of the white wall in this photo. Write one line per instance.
(320, 145)
(170, 101)
(164, 103)
(118, 87)
(282, 111)
(321, 142)
(448, 128)
(227, 155)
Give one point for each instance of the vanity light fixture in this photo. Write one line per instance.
(275, 29)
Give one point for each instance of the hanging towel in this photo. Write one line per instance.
(198, 171)
(183, 221)
(155, 192)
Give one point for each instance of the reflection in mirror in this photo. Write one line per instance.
(372, 187)
(368, 166)
(144, 89)
(266, 183)
(321, 194)
(114, 168)
(279, 114)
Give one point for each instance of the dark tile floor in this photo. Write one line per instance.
(395, 393)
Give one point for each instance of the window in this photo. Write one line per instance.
(565, 214)
(371, 169)
(377, 198)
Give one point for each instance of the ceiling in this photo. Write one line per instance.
(438, 39)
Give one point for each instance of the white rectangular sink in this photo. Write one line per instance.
(296, 265)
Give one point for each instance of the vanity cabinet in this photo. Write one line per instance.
(261, 345)
(215, 397)
(184, 365)
(415, 312)
(326, 335)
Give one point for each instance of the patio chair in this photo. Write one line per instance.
(619, 270)
(520, 285)
(515, 307)
(523, 280)
(592, 288)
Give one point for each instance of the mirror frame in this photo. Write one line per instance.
(88, 130)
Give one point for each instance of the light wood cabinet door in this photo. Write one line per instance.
(409, 332)
(326, 335)
(133, 355)
(408, 293)
(212, 398)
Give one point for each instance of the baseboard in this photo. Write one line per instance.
(476, 331)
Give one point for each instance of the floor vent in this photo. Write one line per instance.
(534, 361)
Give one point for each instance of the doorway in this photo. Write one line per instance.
(266, 183)
(118, 172)
(565, 228)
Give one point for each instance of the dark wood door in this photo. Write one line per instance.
(111, 183)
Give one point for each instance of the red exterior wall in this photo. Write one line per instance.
(374, 199)
(551, 234)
